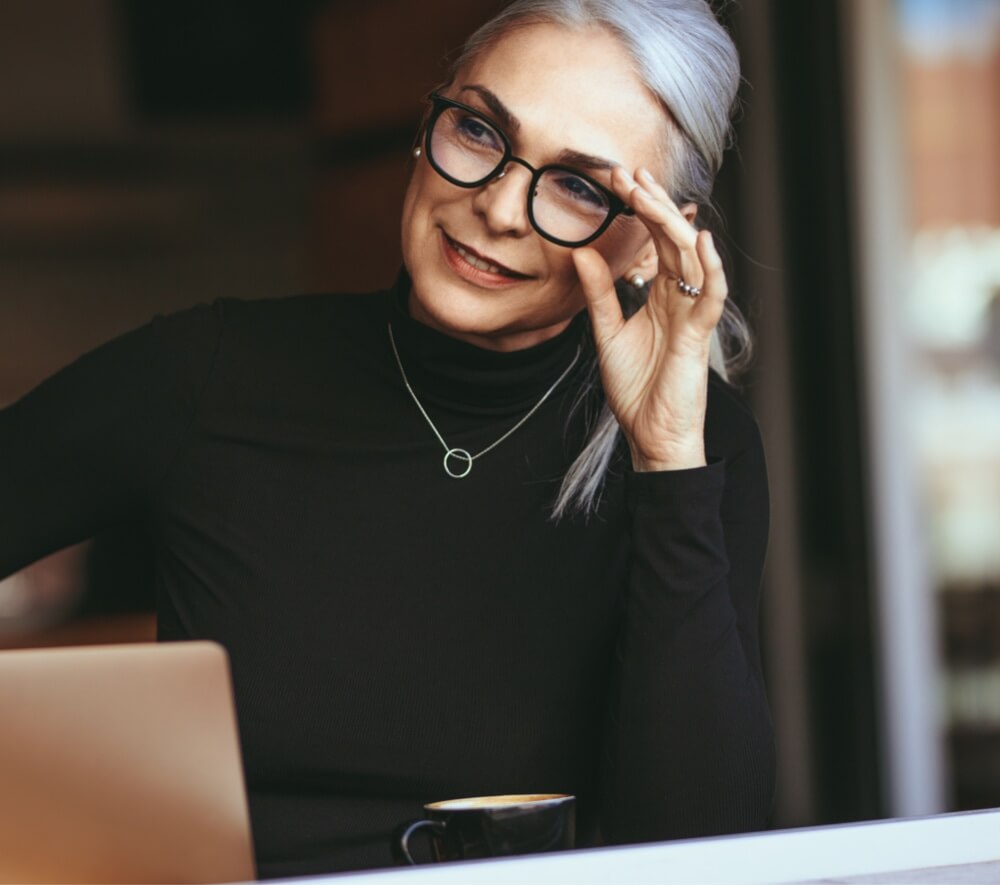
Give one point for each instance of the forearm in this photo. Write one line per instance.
(690, 747)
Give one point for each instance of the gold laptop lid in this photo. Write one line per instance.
(121, 764)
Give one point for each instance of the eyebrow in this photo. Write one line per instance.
(512, 124)
(587, 161)
(497, 107)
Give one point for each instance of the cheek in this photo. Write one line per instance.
(422, 194)
(559, 263)
(562, 285)
(427, 196)
(417, 220)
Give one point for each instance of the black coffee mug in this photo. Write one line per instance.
(492, 826)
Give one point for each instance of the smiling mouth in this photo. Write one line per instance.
(483, 264)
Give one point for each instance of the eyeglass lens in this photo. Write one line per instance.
(470, 150)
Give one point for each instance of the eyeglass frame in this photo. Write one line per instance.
(616, 205)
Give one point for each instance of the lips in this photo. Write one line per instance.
(483, 263)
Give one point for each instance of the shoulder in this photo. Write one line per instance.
(292, 326)
(270, 347)
(231, 324)
(301, 311)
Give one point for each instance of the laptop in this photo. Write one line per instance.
(121, 764)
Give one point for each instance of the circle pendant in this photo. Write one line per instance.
(463, 458)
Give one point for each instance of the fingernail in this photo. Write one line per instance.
(647, 175)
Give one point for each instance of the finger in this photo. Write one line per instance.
(645, 180)
(715, 289)
(599, 289)
(649, 182)
(675, 239)
(673, 235)
(688, 212)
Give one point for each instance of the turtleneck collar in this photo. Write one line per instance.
(451, 373)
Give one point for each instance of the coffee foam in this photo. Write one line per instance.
(498, 801)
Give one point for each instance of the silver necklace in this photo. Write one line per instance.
(462, 456)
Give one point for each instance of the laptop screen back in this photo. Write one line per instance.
(121, 764)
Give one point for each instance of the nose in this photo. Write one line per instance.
(502, 203)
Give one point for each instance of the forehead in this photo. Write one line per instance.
(573, 89)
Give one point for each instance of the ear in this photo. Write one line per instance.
(646, 262)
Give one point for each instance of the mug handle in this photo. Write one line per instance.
(401, 839)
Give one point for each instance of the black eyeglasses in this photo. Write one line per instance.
(564, 205)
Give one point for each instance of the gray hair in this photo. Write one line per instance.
(688, 60)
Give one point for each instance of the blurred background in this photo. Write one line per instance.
(159, 153)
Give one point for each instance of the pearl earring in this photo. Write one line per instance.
(417, 152)
(636, 281)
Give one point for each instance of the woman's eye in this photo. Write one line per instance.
(579, 189)
(478, 131)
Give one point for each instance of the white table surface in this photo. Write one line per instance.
(948, 849)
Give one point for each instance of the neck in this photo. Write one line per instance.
(502, 340)
(458, 373)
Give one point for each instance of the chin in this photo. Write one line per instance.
(489, 310)
(458, 310)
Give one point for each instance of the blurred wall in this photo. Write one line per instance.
(112, 211)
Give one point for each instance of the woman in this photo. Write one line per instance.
(438, 567)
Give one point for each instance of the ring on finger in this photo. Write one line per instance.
(687, 288)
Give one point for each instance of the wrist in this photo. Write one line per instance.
(672, 457)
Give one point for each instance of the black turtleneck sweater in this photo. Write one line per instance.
(398, 636)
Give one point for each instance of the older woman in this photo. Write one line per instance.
(497, 530)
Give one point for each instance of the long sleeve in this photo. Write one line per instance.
(85, 448)
(690, 747)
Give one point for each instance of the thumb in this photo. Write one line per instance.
(599, 289)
